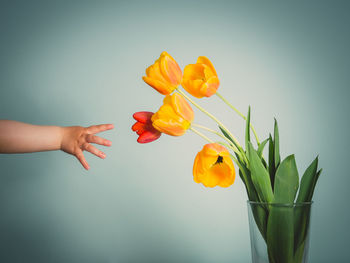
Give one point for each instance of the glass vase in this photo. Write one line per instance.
(279, 233)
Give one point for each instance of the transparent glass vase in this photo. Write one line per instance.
(279, 233)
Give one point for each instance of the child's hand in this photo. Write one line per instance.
(76, 139)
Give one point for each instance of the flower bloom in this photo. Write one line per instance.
(144, 128)
(200, 79)
(174, 117)
(164, 75)
(213, 166)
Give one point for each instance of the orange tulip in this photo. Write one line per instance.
(144, 128)
(174, 117)
(164, 75)
(200, 79)
(213, 166)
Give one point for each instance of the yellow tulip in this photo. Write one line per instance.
(213, 166)
(200, 79)
(164, 75)
(174, 117)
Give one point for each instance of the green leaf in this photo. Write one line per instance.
(286, 181)
(280, 234)
(318, 174)
(228, 136)
(260, 214)
(301, 227)
(308, 182)
(247, 130)
(244, 173)
(261, 148)
(301, 214)
(276, 142)
(272, 169)
(260, 176)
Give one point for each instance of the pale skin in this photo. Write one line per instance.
(19, 137)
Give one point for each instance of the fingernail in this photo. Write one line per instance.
(103, 155)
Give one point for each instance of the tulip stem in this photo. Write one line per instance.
(201, 134)
(230, 145)
(212, 117)
(239, 113)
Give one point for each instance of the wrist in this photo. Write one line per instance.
(62, 131)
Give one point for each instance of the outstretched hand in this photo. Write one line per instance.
(77, 139)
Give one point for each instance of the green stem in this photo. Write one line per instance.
(240, 114)
(211, 116)
(201, 134)
(229, 145)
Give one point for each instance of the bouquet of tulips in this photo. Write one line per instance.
(267, 181)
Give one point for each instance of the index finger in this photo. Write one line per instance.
(100, 128)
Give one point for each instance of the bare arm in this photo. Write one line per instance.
(18, 137)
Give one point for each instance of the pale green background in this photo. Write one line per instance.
(81, 63)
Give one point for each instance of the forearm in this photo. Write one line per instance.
(19, 137)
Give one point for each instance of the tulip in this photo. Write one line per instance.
(144, 128)
(213, 166)
(164, 75)
(174, 117)
(200, 79)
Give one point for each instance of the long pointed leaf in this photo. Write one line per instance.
(286, 181)
(247, 129)
(308, 182)
(301, 228)
(272, 169)
(276, 142)
(280, 227)
(247, 180)
(280, 234)
(260, 176)
(228, 136)
(317, 176)
(261, 147)
(260, 213)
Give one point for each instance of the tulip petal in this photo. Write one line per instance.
(213, 166)
(194, 87)
(200, 79)
(144, 128)
(210, 87)
(170, 69)
(174, 117)
(148, 136)
(170, 127)
(143, 116)
(182, 107)
(138, 127)
(154, 72)
(158, 85)
(194, 71)
(206, 61)
(164, 75)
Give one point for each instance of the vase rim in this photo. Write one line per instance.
(280, 204)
